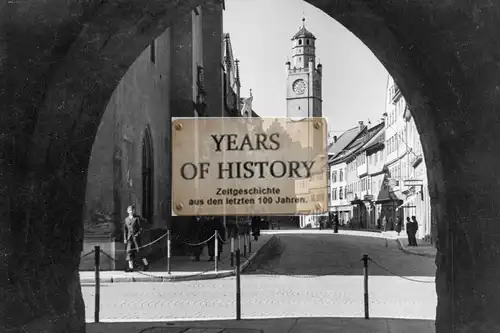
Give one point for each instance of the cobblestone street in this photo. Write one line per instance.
(316, 275)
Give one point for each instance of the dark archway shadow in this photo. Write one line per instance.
(425, 46)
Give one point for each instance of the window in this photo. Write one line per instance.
(307, 42)
(334, 177)
(147, 177)
(341, 176)
(341, 194)
(152, 51)
(300, 41)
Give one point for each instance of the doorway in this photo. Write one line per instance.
(147, 176)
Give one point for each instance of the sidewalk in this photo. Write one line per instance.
(184, 268)
(293, 325)
(423, 249)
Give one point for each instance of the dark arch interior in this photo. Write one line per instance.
(443, 56)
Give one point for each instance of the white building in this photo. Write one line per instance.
(417, 201)
(338, 202)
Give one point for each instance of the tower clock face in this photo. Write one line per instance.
(299, 86)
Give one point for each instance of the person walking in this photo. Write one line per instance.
(197, 237)
(384, 223)
(255, 225)
(132, 238)
(336, 224)
(398, 225)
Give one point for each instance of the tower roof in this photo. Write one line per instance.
(303, 32)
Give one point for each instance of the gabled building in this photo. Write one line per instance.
(337, 199)
(358, 176)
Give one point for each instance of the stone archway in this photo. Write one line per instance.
(61, 62)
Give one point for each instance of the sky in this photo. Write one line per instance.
(354, 81)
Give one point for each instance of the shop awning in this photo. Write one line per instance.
(407, 203)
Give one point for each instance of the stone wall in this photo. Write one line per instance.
(139, 103)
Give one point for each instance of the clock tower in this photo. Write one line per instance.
(303, 91)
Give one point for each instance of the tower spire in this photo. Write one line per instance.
(237, 62)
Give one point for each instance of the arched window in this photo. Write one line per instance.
(334, 177)
(341, 176)
(147, 177)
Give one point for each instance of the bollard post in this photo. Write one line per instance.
(245, 243)
(169, 245)
(238, 286)
(249, 243)
(365, 273)
(216, 249)
(232, 250)
(97, 301)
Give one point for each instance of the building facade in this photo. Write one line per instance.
(385, 172)
(417, 199)
(178, 75)
(339, 203)
(359, 177)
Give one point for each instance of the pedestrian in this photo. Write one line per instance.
(132, 238)
(398, 225)
(255, 225)
(197, 232)
(409, 227)
(384, 223)
(336, 224)
(415, 229)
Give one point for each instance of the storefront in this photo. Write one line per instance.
(344, 213)
(388, 208)
(417, 203)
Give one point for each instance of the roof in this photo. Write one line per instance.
(375, 140)
(343, 141)
(358, 143)
(303, 33)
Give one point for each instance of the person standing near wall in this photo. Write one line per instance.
(414, 230)
(132, 239)
(255, 226)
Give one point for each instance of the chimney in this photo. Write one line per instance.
(361, 125)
